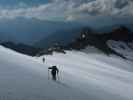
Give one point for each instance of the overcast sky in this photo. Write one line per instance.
(66, 10)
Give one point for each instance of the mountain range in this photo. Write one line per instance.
(79, 39)
(30, 31)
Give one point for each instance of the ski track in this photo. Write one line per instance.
(82, 76)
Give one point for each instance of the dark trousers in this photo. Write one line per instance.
(53, 76)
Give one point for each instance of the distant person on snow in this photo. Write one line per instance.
(54, 72)
(43, 59)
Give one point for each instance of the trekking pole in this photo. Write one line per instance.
(58, 77)
(48, 74)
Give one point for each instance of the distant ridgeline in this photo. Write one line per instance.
(86, 37)
(22, 48)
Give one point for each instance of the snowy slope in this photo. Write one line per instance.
(82, 77)
(99, 76)
(23, 78)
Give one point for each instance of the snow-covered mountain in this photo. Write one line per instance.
(125, 49)
(82, 76)
(119, 38)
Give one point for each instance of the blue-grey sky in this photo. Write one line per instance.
(66, 10)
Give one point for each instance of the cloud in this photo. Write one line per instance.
(70, 9)
(44, 11)
(114, 8)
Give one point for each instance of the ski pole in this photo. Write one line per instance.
(48, 74)
(58, 76)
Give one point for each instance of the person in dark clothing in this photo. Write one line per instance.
(43, 59)
(54, 72)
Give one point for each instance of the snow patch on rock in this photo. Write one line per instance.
(121, 48)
